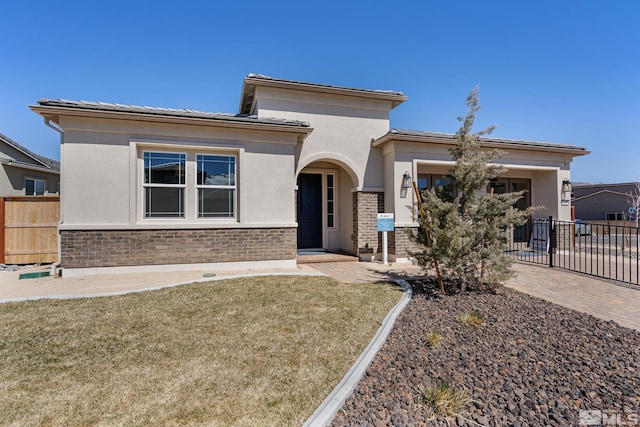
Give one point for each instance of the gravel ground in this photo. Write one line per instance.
(530, 363)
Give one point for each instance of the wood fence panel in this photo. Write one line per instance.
(30, 229)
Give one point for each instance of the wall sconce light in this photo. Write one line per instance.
(565, 198)
(406, 180)
(406, 184)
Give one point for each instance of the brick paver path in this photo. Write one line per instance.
(600, 298)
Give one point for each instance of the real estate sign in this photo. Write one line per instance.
(385, 222)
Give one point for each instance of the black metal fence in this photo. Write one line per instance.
(605, 250)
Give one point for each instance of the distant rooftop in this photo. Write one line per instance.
(171, 112)
(42, 161)
(253, 79)
(489, 140)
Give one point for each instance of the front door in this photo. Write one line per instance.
(309, 210)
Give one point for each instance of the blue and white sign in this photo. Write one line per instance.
(385, 222)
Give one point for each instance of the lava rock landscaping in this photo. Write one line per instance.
(531, 363)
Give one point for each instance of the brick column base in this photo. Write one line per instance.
(366, 206)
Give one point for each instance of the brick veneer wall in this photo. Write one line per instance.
(366, 206)
(108, 248)
(399, 242)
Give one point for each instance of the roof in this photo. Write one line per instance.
(447, 138)
(587, 195)
(165, 112)
(252, 80)
(40, 162)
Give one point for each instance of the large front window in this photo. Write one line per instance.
(189, 185)
(216, 185)
(164, 185)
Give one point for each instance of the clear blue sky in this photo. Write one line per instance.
(556, 71)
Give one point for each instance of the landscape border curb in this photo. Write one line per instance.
(328, 409)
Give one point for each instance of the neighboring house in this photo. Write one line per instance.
(602, 201)
(301, 166)
(23, 172)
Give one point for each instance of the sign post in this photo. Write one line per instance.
(385, 224)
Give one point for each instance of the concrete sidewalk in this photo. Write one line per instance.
(14, 289)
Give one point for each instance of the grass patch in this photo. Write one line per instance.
(250, 351)
(474, 319)
(441, 399)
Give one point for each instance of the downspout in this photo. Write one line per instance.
(56, 264)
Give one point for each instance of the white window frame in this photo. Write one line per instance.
(44, 186)
(233, 187)
(156, 185)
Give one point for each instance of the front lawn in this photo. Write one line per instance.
(257, 351)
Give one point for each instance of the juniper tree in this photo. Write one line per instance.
(468, 223)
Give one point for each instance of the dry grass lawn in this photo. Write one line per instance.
(245, 352)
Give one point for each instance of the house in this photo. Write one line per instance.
(24, 173)
(598, 202)
(301, 165)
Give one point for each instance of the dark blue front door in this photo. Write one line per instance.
(309, 210)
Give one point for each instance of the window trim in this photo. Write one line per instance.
(334, 200)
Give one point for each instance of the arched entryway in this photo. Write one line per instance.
(324, 207)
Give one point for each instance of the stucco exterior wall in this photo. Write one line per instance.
(343, 128)
(109, 152)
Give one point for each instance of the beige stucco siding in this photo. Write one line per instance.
(343, 129)
(110, 153)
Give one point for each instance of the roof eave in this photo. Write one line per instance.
(24, 151)
(54, 113)
(22, 165)
(446, 140)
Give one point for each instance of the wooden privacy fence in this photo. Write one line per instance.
(28, 229)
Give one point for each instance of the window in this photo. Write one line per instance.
(35, 187)
(618, 216)
(164, 185)
(330, 200)
(216, 186)
(426, 182)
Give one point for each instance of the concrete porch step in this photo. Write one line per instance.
(311, 257)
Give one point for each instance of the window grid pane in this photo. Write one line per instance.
(216, 203)
(164, 182)
(216, 170)
(216, 181)
(164, 168)
(164, 202)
